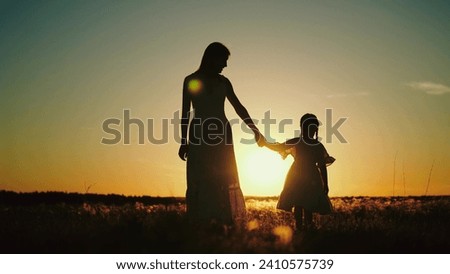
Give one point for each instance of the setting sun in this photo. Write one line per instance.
(262, 171)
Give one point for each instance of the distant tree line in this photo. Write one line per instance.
(53, 197)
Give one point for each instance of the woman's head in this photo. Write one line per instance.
(214, 58)
(309, 125)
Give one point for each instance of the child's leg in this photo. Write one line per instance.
(308, 218)
(298, 215)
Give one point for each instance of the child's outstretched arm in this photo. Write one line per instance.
(282, 147)
(285, 148)
(276, 146)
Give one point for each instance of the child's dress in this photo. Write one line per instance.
(303, 186)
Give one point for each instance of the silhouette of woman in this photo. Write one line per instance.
(213, 191)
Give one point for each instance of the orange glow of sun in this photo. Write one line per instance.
(262, 172)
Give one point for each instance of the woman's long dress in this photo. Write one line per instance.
(213, 190)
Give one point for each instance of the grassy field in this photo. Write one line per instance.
(139, 225)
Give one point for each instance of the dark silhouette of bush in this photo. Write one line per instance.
(52, 197)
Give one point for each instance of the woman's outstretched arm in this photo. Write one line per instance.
(243, 113)
(186, 107)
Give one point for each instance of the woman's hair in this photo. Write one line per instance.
(213, 52)
(306, 122)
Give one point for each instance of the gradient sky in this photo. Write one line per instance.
(66, 66)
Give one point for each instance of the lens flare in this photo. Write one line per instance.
(195, 86)
(284, 234)
(252, 225)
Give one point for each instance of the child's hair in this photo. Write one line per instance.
(309, 122)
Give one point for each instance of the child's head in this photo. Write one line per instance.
(309, 125)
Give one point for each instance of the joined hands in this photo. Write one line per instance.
(260, 139)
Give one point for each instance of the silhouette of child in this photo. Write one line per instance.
(306, 185)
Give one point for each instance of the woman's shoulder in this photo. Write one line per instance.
(225, 81)
(200, 76)
(194, 79)
(194, 75)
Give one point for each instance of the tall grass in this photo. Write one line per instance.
(358, 225)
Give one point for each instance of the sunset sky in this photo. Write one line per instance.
(67, 66)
